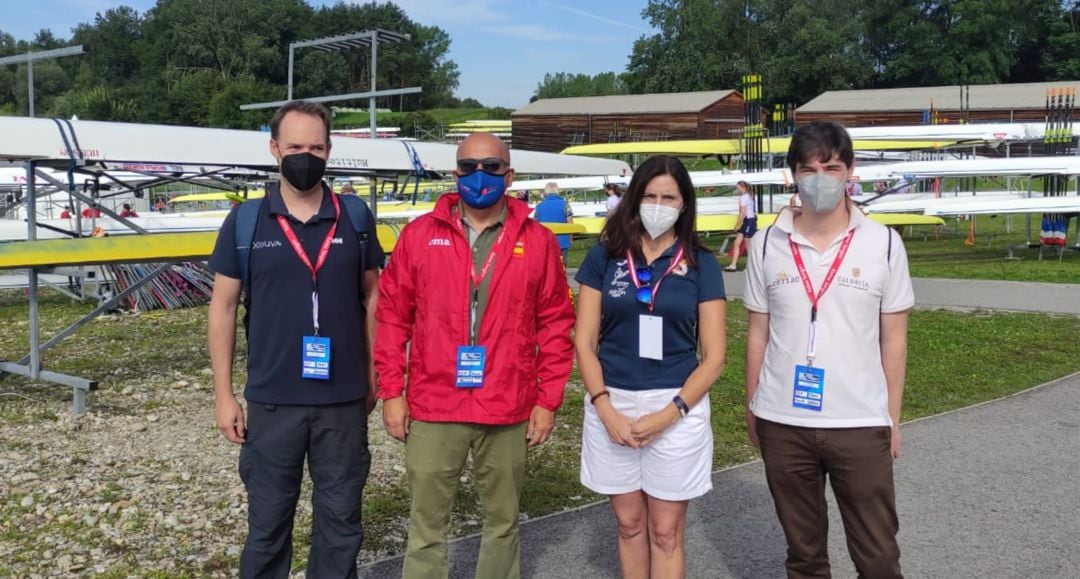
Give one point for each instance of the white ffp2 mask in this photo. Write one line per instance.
(658, 218)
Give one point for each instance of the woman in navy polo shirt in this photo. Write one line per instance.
(651, 294)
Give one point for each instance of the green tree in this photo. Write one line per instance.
(224, 109)
(700, 45)
(100, 103)
(811, 50)
(1061, 55)
(110, 45)
(562, 84)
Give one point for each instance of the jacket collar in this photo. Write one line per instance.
(517, 213)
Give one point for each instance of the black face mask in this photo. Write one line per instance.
(302, 170)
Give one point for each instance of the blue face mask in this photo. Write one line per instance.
(481, 190)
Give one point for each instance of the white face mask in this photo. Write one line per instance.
(821, 192)
(658, 218)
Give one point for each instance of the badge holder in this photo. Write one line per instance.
(470, 366)
(315, 350)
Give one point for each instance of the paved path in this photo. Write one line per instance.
(987, 491)
(1018, 296)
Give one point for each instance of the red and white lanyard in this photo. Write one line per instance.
(811, 350)
(675, 261)
(324, 251)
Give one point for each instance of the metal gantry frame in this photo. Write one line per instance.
(30, 365)
(350, 41)
(31, 56)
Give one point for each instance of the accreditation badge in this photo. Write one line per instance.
(470, 366)
(316, 358)
(809, 388)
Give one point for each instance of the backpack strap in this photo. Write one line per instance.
(888, 254)
(247, 216)
(765, 246)
(359, 214)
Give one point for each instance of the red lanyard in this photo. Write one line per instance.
(478, 278)
(808, 286)
(324, 251)
(675, 261)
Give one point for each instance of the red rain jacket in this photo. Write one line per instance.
(423, 310)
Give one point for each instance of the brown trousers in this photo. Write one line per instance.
(859, 465)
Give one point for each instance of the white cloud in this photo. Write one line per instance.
(593, 16)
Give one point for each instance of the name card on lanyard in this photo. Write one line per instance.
(472, 358)
(314, 349)
(650, 327)
(809, 387)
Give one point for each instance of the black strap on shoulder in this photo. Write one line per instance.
(888, 254)
(247, 217)
(765, 246)
(359, 214)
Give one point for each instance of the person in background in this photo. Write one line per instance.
(159, 206)
(852, 188)
(554, 209)
(66, 213)
(651, 298)
(128, 211)
(91, 211)
(614, 194)
(347, 189)
(745, 224)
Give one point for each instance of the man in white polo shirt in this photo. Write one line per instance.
(828, 292)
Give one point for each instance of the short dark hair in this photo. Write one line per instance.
(821, 141)
(300, 106)
(623, 229)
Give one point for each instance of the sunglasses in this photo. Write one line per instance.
(491, 165)
(644, 293)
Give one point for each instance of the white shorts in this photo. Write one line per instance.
(675, 466)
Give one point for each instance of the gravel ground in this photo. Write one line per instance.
(142, 484)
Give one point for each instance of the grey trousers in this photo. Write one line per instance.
(333, 439)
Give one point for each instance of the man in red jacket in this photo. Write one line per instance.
(476, 296)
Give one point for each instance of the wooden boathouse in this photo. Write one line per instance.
(987, 103)
(551, 125)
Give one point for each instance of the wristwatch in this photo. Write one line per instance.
(681, 405)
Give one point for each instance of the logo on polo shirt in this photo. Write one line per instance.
(266, 244)
(439, 242)
(519, 249)
(337, 241)
(618, 288)
(784, 278)
(853, 283)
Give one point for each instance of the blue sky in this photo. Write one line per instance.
(503, 48)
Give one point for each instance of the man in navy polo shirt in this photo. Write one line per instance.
(312, 285)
